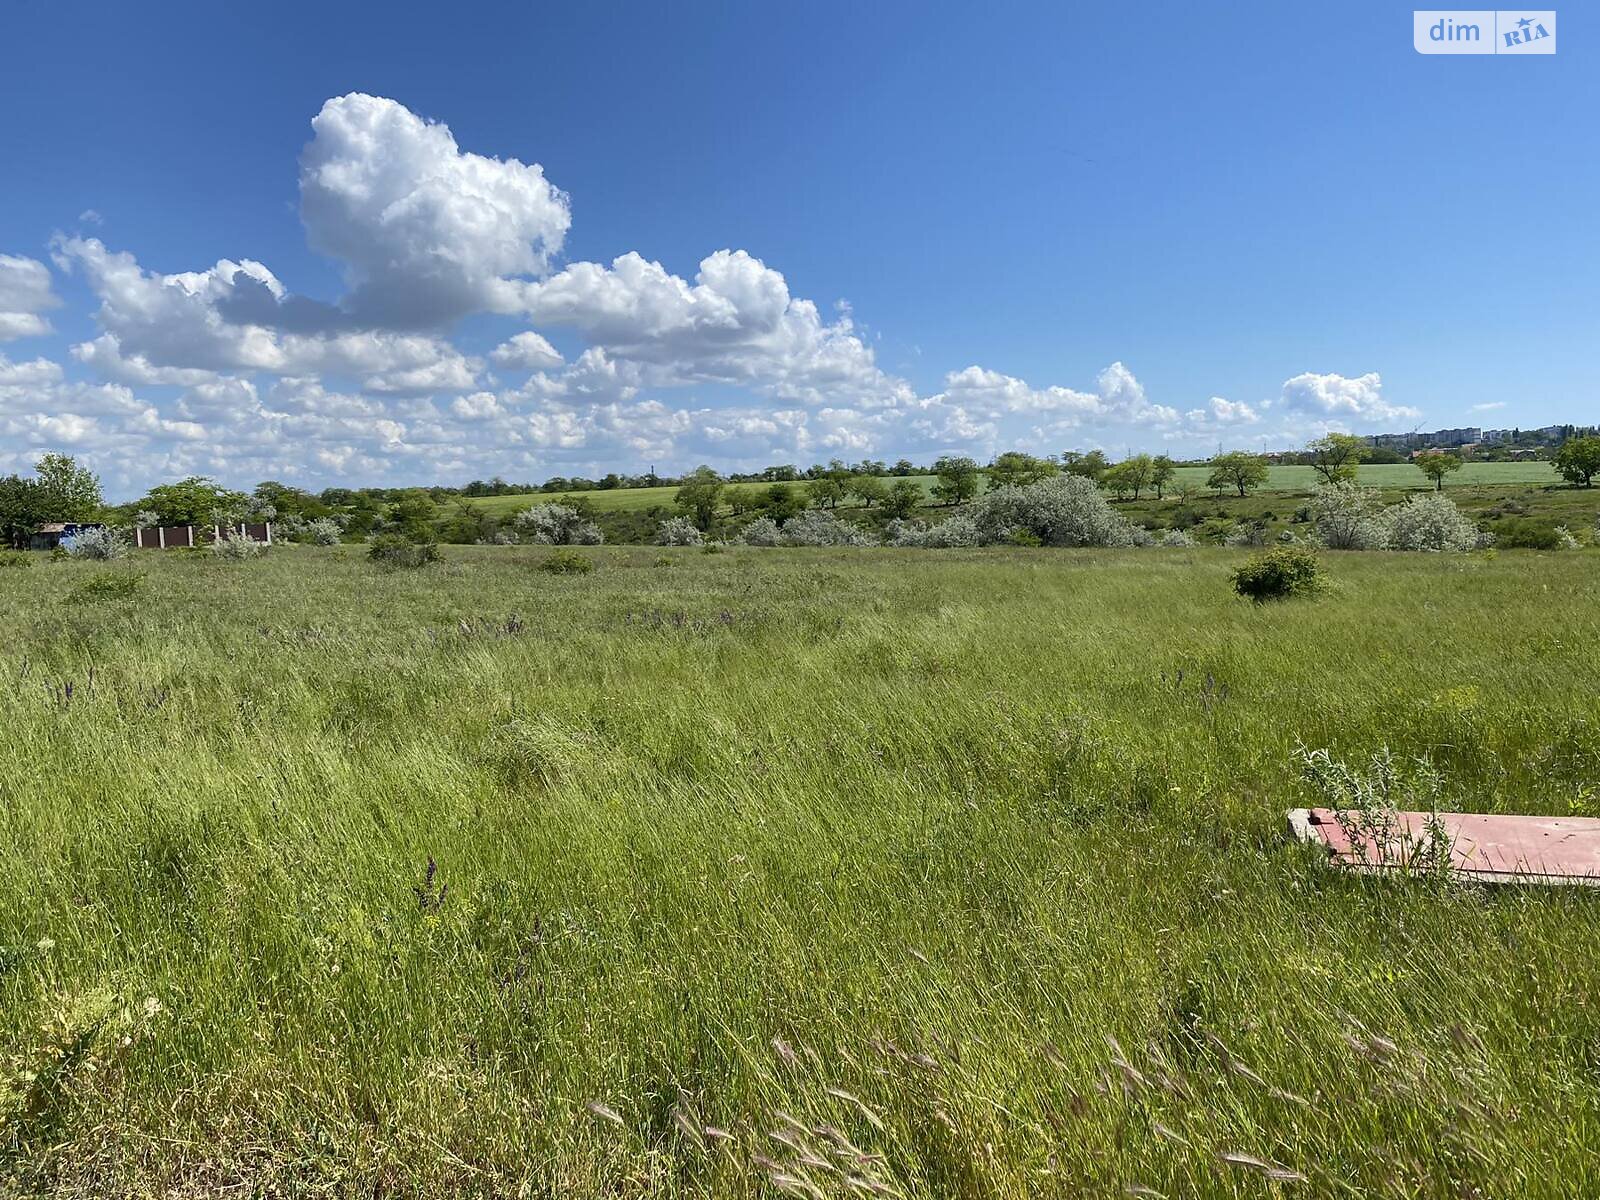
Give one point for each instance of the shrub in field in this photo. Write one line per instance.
(817, 528)
(1064, 510)
(1367, 803)
(763, 531)
(101, 545)
(1246, 533)
(15, 558)
(1565, 540)
(1431, 522)
(1526, 533)
(566, 561)
(324, 531)
(232, 548)
(1279, 574)
(951, 534)
(392, 551)
(1348, 517)
(679, 531)
(556, 525)
(1176, 539)
(1286, 537)
(113, 585)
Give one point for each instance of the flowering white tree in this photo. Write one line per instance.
(556, 525)
(1347, 517)
(1431, 522)
(679, 531)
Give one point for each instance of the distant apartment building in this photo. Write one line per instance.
(1395, 441)
(1544, 436)
(1422, 441)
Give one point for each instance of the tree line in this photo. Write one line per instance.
(63, 490)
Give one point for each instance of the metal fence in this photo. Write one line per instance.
(179, 537)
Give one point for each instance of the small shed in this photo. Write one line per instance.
(59, 533)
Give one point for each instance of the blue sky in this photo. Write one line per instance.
(1164, 227)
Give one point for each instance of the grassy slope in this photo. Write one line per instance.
(1280, 479)
(944, 823)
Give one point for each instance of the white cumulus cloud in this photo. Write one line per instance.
(25, 294)
(527, 350)
(1336, 398)
(427, 232)
(736, 324)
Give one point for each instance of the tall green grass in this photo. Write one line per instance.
(972, 861)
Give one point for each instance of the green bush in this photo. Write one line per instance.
(15, 558)
(113, 585)
(567, 562)
(1279, 574)
(1526, 533)
(395, 552)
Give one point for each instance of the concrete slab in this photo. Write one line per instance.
(1491, 848)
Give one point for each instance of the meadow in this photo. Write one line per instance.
(759, 872)
(1288, 479)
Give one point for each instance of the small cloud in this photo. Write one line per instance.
(90, 217)
(1490, 407)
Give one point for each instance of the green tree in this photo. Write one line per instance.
(1016, 469)
(1437, 466)
(1578, 460)
(781, 502)
(1237, 469)
(958, 479)
(412, 514)
(1162, 472)
(869, 489)
(465, 524)
(1091, 465)
(21, 509)
(826, 490)
(1335, 456)
(1132, 475)
(698, 494)
(292, 502)
(67, 491)
(194, 501)
(904, 498)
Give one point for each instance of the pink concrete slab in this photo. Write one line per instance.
(1495, 848)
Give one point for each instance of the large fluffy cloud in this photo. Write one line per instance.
(25, 295)
(1337, 399)
(172, 329)
(1118, 396)
(427, 232)
(735, 324)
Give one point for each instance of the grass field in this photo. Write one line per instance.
(1280, 479)
(972, 861)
